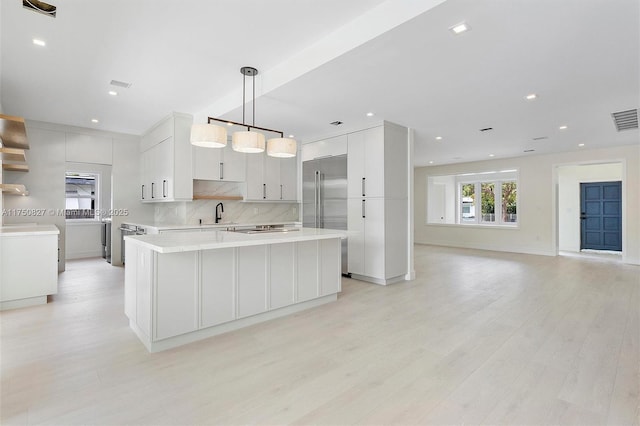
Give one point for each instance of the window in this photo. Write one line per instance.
(81, 196)
(488, 198)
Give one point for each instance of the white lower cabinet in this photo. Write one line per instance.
(252, 280)
(282, 275)
(176, 294)
(217, 287)
(330, 261)
(377, 245)
(307, 270)
(144, 280)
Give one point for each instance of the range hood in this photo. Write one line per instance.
(13, 146)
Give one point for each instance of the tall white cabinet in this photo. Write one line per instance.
(377, 188)
(165, 161)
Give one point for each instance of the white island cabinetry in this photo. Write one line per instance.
(186, 287)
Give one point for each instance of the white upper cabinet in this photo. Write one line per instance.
(166, 163)
(271, 179)
(222, 164)
(377, 162)
(365, 163)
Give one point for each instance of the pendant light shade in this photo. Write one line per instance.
(208, 135)
(249, 142)
(282, 147)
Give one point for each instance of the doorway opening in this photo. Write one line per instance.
(589, 214)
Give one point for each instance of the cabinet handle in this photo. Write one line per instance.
(221, 170)
(364, 210)
(363, 187)
(164, 186)
(143, 192)
(281, 191)
(152, 188)
(264, 191)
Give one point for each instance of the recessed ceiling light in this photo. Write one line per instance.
(369, 114)
(291, 136)
(460, 28)
(562, 127)
(531, 96)
(492, 155)
(438, 138)
(39, 42)
(113, 93)
(94, 120)
(229, 124)
(580, 144)
(430, 162)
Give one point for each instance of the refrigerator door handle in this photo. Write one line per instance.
(363, 187)
(315, 197)
(364, 210)
(321, 199)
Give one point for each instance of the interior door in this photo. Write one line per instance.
(601, 216)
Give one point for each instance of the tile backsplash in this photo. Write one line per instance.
(190, 213)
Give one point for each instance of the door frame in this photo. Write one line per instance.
(555, 201)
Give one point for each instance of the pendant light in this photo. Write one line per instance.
(208, 135)
(248, 141)
(282, 147)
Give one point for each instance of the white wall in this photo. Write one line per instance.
(569, 179)
(536, 232)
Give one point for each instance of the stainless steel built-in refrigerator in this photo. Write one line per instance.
(324, 196)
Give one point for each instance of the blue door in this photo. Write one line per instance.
(601, 216)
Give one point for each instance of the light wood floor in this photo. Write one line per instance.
(479, 337)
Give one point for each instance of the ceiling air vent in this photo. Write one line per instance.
(486, 129)
(539, 138)
(336, 123)
(120, 84)
(625, 120)
(40, 7)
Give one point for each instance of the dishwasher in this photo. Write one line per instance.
(125, 230)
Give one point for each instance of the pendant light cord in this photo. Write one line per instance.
(244, 82)
(254, 100)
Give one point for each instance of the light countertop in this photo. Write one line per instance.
(221, 225)
(192, 241)
(28, 229)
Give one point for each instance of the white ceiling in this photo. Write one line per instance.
(390, 57)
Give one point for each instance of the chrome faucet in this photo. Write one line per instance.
(219, 213)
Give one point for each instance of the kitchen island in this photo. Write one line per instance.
(184, 287)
